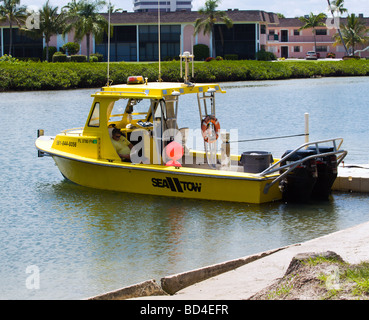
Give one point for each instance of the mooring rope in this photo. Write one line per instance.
(271, 138)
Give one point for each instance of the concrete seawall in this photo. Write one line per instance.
(174, 283)
(244, 277)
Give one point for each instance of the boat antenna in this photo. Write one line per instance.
(338, 27)
(108, 71)
(159, 40)
(187, 57)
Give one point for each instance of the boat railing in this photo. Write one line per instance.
(288, 167)
(70, 131)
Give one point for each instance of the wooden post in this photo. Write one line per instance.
(306, 127)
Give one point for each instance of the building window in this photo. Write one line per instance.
(321, 49)
(123, 44)
(296, 32)
(321, 32)
(296, 49)
(239, 40)
(22, 44)
(170, 42)
(262, 29)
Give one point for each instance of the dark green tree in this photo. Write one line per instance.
(211, 17)
(312, 22)
(86, 21)
(12, 12)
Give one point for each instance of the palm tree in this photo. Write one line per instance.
(312, 22)
(11, 11)
(72, 6)
(86, 21)
(207, 23)
(353, 33)
(338, 4)
(51, 23)
(112, 9)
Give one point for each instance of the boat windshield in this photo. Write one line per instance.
(130, 112)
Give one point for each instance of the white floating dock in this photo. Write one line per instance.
(352, 178)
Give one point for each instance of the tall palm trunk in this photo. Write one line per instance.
(213, 41)
(10, 37)
(88, 46)
(47, 51)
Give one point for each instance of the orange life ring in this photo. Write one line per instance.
(205, 125)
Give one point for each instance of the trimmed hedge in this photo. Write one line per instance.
(67, 75)
(78, 58)
(201, 52)
(59, 57)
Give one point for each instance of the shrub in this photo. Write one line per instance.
(331, 55)
(30, 75)
(263, 55)
(209, 59)
(34, 59)
(71, 48)
(78, 58)
(94, 59)
(231, 56)
(99, 56)
(351, 57)
(201, 52)
(7, 58)
(219, 58)
(59, 57)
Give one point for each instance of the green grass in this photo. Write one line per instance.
(321, 259)
(360, 275)
(281, 291)
(69, 75)
(357, 274)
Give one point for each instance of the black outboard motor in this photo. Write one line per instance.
(327, 173)
(298, 185)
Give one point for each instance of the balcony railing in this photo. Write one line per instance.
(310, 39)
(273, 37)
(276, 37)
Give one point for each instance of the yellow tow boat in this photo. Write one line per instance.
(146, 114)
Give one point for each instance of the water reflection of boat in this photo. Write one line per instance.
(146, 113)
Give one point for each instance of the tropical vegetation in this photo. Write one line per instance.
(12, 12)
(17, 75)
(211, 16)
(51, 23)
(339, 6)
(86, 21)
(81, 15)
(353, 33)
(312, 22)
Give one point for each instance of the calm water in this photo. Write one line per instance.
(85, 242)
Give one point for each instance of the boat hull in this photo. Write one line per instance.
(169, 182)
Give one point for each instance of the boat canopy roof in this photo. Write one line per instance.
(155, 90)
